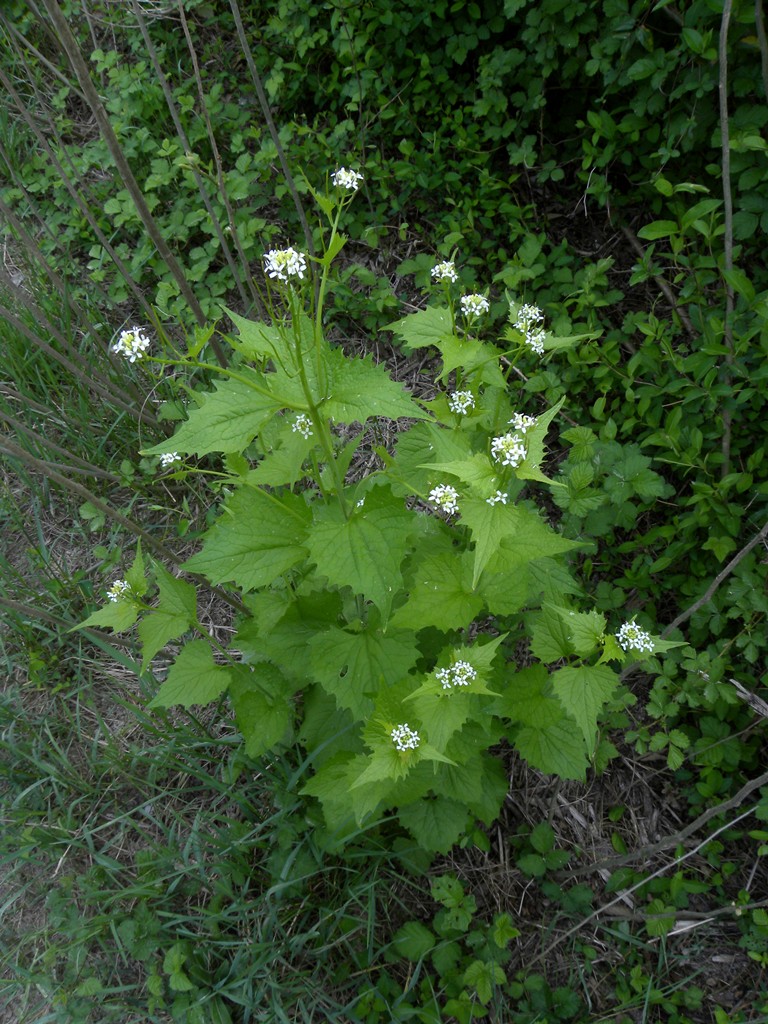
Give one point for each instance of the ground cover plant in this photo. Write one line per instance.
(524, 824)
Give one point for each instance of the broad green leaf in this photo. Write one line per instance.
(415, 450)
(584, 691)
(440, 593)
(481, 782)
(471, 356)
(263, 711)
(550, 636)
(257, 537)
(524, 699)
(256, 340)
(136, 577)
(176, 612)
(443, 714)
(361, 389)
(353, 666)
(476, 471)
(365, 551)
(423, 328)
(530, 468)
(413, 941)
(504, 593)
(117, 615)
(283, 465)
(556, 748)
(194, 678)
(484, 977)
(227, 420)
(585, 630)
(436, 824)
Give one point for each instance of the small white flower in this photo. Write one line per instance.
(522, 422)
(509, 450)
(632, 638)
(346, 179)
(404, 737)
(461, 402)
(461, 673)
(132, 344)
(169, 459)
(474, 305)
(445, 497)
(118, 590)
(526, 321)
(445, 271)
(302, 425)
(361, 503)
(284, 264)
(498, 498)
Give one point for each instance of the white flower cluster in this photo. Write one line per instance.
(498, 498)
(527, 322)
(284, 264)
(302, 425)
(445, 497)
(404, 737)
(132, 344)
(459, 674)
(509, 449)
(474, 305)
(632, 638)
(168, 459)
(445, 271)
(349, 180)
(461, 402)
(522, 422)
(118, 590)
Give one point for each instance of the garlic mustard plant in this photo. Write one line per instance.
(356, 605)
(445, 271)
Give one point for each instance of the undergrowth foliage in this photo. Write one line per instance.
(399, 621)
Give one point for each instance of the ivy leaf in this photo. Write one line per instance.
(583, 691)
(361, 389)
(176, 612)
(365, 551)
(423, 328)
(436, 824)
(441, 593)
(257, 538)
(227, 420)
(353, 666)
(194, 678)
(263, 711)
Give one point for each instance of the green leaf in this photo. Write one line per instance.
(227, 420)
(585, 630)
(556, 748)
(440, 593)
(583, 691)
(365, 551)
(258, 537)
(550, 636)
(413, 941)
(353, 666)
(659, 229)
(263, 711)
(530, 468)
(194, 678)
(117, 615)
(361, 389)
(256, 340)
(136, 577)
(436, 824)
(176, 612)
(476, 471)
(483, 977)
(423, 328)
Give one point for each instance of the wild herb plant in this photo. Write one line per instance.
(399, 620)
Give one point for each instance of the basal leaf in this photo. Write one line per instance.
(436, 824)
(263, 710)
(365, 551)
(583, 691)
(227, 420)
(176, 612)
(257, 538)
(194, 678)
